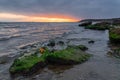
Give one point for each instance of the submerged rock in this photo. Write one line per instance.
(91, 42)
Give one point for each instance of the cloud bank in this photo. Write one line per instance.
(75, 8)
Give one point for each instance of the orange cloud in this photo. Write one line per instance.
(37, 18)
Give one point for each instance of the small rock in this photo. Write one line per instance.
(51, 43)
(91, 42)
(3, 62)
(61, 43)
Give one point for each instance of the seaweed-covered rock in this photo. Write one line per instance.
(114, 35)
(71, 55)
(25, 64)
(33, 62)
(67, 58)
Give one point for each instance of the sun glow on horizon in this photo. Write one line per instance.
(46, 18)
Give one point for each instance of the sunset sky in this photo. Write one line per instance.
(57, 10)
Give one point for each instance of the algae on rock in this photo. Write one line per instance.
(70, 55)
(25, 63)
(114, 35)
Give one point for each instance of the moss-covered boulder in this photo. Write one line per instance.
(31, 63)
(71, 55)
(114, 35)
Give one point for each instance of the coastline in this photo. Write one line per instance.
(94, 66)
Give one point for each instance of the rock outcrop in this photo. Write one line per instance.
(27, 64)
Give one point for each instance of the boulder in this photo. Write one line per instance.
(91, 42)
(68, 56)
(30, 63)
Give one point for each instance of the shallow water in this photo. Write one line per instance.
(99, 67)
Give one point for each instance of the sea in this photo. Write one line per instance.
(16, 34)
(100, 66)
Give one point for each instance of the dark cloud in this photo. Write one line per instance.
(76, 8)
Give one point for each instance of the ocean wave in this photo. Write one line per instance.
(4, 38)
(12, 26)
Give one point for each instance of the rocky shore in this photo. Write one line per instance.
(100, 24)
(59, 51)
(55, 51)
(113, 25)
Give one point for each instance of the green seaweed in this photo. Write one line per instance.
(24, 64)
(71, 54)
(114, 35)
